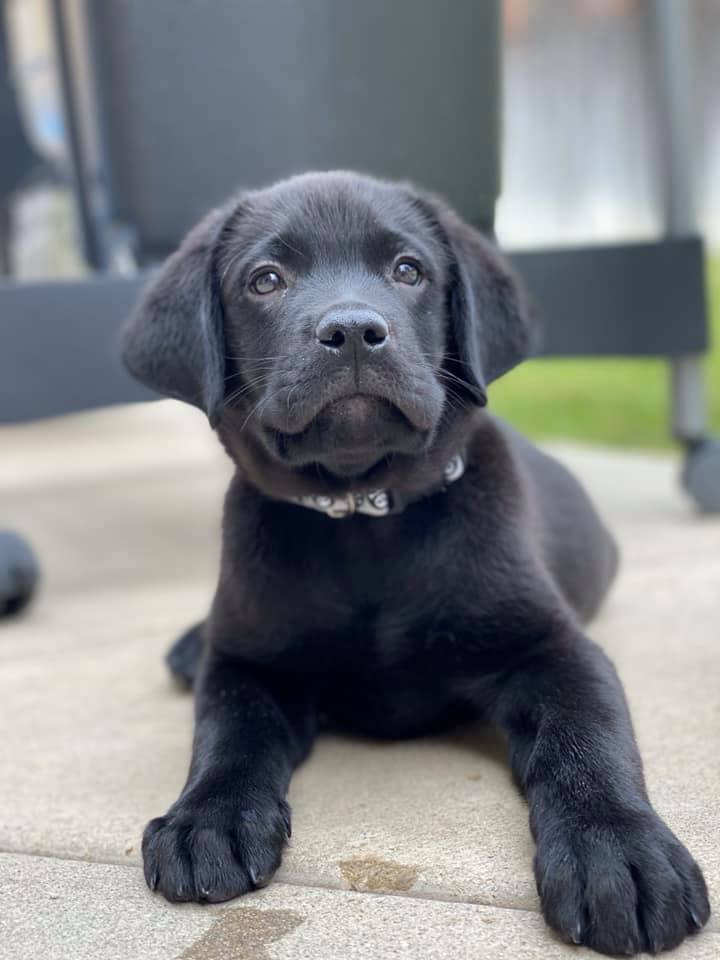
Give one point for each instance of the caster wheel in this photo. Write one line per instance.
(19, 573)
(701, 475)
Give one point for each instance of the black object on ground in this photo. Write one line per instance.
(19, 573)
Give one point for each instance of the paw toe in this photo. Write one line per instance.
(620, 891)
(218, 875)
(191, 856)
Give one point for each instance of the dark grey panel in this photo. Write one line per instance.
(637, 299)
(200, 97)
(58, 347)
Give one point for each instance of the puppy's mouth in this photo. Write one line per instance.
(349, 435)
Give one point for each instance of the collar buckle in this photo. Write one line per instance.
(342, 506)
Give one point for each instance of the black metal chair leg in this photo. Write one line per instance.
(19, 573)
(701, 474)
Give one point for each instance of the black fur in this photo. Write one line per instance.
(465, 608)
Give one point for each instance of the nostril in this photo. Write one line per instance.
(374, 336)
(334, 338)
(357, 329)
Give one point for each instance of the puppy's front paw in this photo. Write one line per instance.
(214, 853)
(620, 887)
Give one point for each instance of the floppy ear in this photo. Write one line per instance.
(174, 342)
(489, 312)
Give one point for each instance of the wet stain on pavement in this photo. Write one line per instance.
(243, 933)
(373, 875)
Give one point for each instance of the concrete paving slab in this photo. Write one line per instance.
(58, 909)
(123, 507)
(116, 498)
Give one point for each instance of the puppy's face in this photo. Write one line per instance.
(337, 329)
(334, 300)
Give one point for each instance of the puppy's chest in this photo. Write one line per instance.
(353, 570)
(369, 603)
(393, 648)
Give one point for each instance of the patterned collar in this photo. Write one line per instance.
(376, 503)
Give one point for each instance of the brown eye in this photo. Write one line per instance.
(266, 282)
(407, 271)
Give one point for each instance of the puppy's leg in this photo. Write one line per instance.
(225, 834)
(610, 873)
(183, 658)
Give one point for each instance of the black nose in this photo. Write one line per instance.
(348, 330)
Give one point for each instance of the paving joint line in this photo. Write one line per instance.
(713, 926)
(437, 897)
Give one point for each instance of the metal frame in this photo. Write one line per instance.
(673, 81)
(105, 245)
(86, 189)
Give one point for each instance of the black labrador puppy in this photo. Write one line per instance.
(395, 560)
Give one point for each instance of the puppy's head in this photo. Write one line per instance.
(333, 327)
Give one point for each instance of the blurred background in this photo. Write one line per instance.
(587, 166)
(582, 163)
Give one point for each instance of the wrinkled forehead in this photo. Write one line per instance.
(326, 223)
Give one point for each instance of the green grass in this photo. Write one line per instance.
(612, 402)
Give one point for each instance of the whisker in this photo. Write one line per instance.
(452, 378)
(453, 401)
(253, 368)
(449, 357)
(444, 375)
(245, 388)
(280, 356)
(261, 401)
(285, 243)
